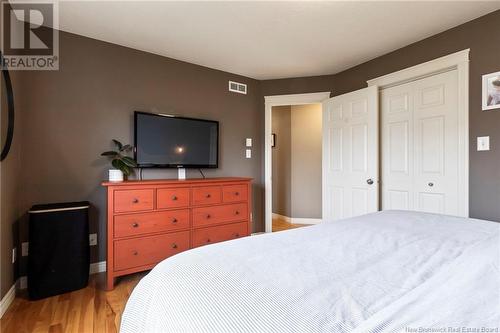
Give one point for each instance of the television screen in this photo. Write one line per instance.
(175, 142)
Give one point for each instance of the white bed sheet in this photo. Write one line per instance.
(390, 271)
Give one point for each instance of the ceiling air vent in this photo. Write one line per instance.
(236, 87)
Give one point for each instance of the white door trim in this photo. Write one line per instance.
(270, 101)
(458, 61)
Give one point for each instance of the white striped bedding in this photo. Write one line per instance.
(390, 271)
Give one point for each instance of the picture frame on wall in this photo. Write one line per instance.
(491, 91)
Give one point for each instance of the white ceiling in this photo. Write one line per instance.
(267, 40)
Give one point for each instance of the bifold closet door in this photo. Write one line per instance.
(420, 145)
(350, 154)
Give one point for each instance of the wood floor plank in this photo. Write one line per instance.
(280, 225)
(88, 310)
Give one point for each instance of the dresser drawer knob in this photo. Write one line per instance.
(174, 246)
(135, 253)
(135, 200)
(135, 224)
(236, 193)
(174, 220)
(208, 196)
(237, 212)
(237, 235)
(208, 240)
(208, 216)
(174, 198)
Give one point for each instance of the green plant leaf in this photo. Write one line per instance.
(129, 161)
(126, 148)
(118, 144)
(117, 164)
(109, 153)
(120, 165)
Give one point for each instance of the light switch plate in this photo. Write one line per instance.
(249, 142)
(248, 153)
(483, 143)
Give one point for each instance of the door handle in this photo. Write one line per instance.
(369, 181)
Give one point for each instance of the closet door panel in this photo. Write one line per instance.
(436, 144)
(397, 147)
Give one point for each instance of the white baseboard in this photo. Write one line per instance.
(282, 217)
(97, 267)
(7, 300)
(300, 220)
(296, 220)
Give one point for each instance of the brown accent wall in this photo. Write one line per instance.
(282, 160)
(72, 115)
(69, 117)
(9, 187)
(484, 176)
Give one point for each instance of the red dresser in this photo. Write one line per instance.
(151, 220)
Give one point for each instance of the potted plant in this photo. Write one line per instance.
(123, 164)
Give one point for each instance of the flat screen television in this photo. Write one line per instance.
(165, 141)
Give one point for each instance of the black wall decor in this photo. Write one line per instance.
(10, 109)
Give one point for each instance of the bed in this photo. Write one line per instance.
(389, 271)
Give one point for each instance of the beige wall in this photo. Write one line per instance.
(282, 160)
(297, 160)
(306, 144)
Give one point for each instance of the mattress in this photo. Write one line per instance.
(390, 271)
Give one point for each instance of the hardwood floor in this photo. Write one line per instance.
(86, 310)
(280, 225)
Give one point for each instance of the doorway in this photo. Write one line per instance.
(276, 101)
(296, 165)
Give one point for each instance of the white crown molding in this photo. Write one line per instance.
(428, 68)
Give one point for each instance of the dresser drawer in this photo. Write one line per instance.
(172, 198)
(207, 195)
(204, 216)
(139, 224)
(204, 236)
(234, 193)
(130, 253)
(133, 200)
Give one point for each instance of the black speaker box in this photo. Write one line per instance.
(58, 259)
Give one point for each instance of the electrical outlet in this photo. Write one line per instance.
(14, 252)
(248, 153)
(25, 249)
(93, 239)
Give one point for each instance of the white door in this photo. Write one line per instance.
(350, 154)
(420, 135)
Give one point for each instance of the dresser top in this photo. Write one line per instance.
(177, 181)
